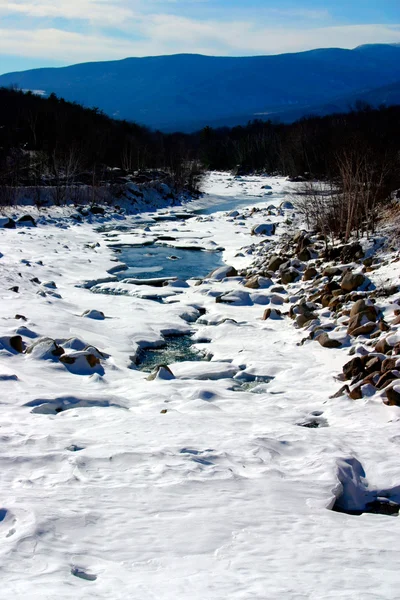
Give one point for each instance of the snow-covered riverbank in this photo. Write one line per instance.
(114, 486)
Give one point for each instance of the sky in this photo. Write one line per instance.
(41, 33)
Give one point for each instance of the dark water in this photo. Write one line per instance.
(155, 261)
(176, 349)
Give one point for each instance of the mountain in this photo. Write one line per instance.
(188, 91)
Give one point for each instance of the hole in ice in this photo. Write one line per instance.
(82, 574)
(254, 384)
(196, 456)
(355, 497)
(3, 513)
(177, 348)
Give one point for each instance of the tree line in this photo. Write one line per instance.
(356, 155)
(47, 141)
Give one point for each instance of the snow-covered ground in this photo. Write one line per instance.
(118, 487)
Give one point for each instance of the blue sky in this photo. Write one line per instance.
(60, 32)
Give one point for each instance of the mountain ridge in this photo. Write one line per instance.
(189, 91)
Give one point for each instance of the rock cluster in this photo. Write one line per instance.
(332, 298)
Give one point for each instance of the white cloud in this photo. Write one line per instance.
(101, 11)
(168, 34)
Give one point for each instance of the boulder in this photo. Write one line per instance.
(373, 365)
(392, 397)
(238, 297)
(98, 315)
(222, 273)
(352, 281)
(7, 223)
(310, 273)
(272, 313)
(27, 220)
(264, 229)
(332, 272)
(286, 205)
(361, 306)
(275, 262)
(382, 346)
(304, 254)
(343, 390)
(389, 364)
(302, 320)
(360, 325)
(356, 392)
(16, 343)
(327, 342)
(353, 368)
(97, 210)
(45, 348)
(386, 378)
(252, 283)
(289, 275)
(351, 252)
(84, 357)
(12, 343)
(161, 372)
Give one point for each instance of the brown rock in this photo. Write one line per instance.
(327, 342)
(364, 329)
(392, 397)
(92, 360)
(16, 343)
(352, 281)
(383, 326)
(385, 379)
(334, 304)
(373, 364)
(361, 324)
(388, 364)
(310, 273)
(289, 276)
(252, 283)
(275, 262)
(382, 346)
(362, 307)
(66, 359)
(353, 368)
(325, 300)
(302, 320)
(371, 379)
(304, 255)
(332, 272)
(343, 390)
(274, 313)
(356, 393)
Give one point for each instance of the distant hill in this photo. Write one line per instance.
(188, 91)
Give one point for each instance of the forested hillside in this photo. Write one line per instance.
(51, 142)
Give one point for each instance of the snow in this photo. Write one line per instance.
(114, 486)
